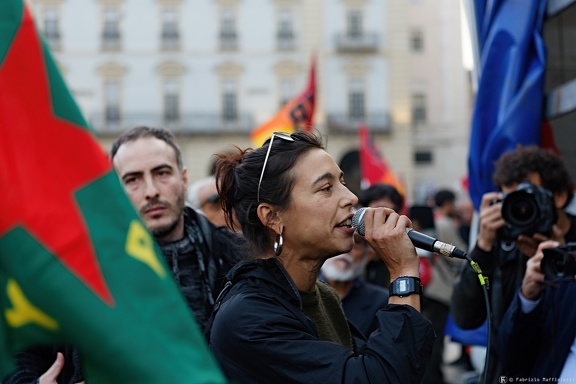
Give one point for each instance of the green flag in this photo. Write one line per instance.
(77, 265)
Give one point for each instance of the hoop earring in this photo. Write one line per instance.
(278, 244)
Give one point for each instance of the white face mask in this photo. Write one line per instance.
(343, 268)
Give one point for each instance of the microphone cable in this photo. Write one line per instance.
(484, 284)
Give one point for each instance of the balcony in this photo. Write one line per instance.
(228, 41)
(285, 41)
(170, 40)
(111, 40)
(53, 39)
(188, 123)
(357, 43)
(343, 123)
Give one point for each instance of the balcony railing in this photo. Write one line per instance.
(228, 41)
(111, 41)
(188, 123)
(343, 123)
(285, 40)
(362, 43)
(53, 39)
(170, 39)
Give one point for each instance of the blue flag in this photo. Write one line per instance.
(509, 103)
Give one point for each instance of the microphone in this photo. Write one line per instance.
(420, 240)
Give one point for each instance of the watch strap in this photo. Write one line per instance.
(405, 286)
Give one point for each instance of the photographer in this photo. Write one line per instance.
(502, 249)
(537, 335)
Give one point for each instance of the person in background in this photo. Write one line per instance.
(537, 337)
(360, 299)
(149, 164)
(447, 218)
(203, 197)
(444, 271)
(501, 258)
(379, 195)
(47, 364)
(275, 322)
(465, 213)
(422, 217)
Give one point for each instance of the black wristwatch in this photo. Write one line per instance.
(405, 286)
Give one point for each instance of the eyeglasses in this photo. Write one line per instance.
(280, 135)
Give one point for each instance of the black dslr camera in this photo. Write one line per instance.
(559, 264)
(528, 210)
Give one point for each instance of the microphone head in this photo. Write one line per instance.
(358, 221)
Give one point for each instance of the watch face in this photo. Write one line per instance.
(402, 286)
(405, 285)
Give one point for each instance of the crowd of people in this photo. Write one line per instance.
(265, 255)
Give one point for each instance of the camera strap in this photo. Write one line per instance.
(508, 272)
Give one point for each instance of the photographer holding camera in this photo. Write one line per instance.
(535, 187)
(537, 336)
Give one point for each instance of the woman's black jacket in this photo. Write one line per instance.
(259, 334)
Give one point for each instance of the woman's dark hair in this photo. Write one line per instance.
(381, 191)
(238, 174)
(515, 166)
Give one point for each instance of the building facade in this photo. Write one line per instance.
(212, 70)
(560, 84)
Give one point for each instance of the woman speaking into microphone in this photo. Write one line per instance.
(275, 322)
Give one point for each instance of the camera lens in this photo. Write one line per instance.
(521, 210)
(559, 264)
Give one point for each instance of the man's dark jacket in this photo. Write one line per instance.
(260, 334)
(536, 344)
(200, 260)
(504, 267)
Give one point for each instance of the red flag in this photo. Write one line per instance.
(373, 167)
(547, 137)
(296, 114)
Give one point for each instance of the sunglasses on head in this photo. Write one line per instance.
(281, 135)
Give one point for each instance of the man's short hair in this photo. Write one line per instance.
(444, 196)
(514, 167)
(142, 132)
(381, 191)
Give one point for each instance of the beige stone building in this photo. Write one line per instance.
(212, 70)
